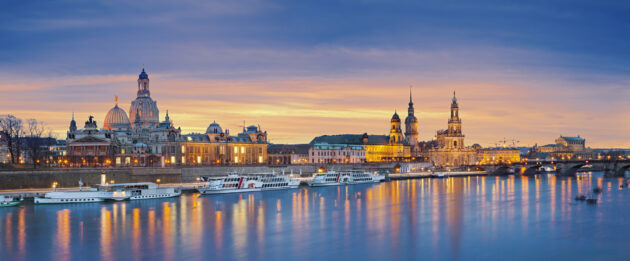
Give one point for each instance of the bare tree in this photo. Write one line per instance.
(12, 128)
(35, 143)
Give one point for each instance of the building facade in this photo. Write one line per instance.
(451, 150)
(217, 147)
(286, 154)
(336, 153)
(498, 155)
(140, 139)
(411, 129)
(564, 148)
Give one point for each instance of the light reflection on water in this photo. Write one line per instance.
(520, 218)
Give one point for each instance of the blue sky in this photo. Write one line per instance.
(563, 63)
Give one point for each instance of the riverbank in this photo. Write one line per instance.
(43, 178)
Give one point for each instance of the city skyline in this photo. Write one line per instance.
(512, 80)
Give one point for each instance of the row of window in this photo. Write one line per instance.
(343, 153)
(275, 185)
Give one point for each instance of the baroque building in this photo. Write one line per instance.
(450, 150)
(217, 147)
(411, 129)
(565, 148)
(378, 148)
(140, 139)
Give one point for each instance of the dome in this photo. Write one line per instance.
(144, 110)
(143, 74)
(116, 118)
(395, 117)
(214, 128)
(411, 119)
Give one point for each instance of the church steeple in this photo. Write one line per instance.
(143, 84)
(73, 124)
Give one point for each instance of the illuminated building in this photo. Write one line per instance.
(139, 140)
(565, 148)
(217, 147)
(285, 154)
(450, 150)
(411, 129)
(498, 155)
(336, 153)
(90, 146)
(378, 148)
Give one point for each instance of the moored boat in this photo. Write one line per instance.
(141, 190)
(335, 178)
(235, 183)
(9, 202)
(80, 196)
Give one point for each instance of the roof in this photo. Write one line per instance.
(356, 139)
(578, 138)
(288, 148)
(326, 146)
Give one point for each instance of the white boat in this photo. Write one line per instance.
(141, 190)
(9, 202)
(80, 196)
(234, 183)
(334, 178)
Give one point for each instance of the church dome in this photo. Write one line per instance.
(214, 128)
(144, 110)
(395, 118)
(116, 118)
(411, 119)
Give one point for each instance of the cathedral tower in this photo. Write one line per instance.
(455, 138)
(144, 111)
(395, 134)
(411, 125)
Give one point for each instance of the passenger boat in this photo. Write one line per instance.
(9, 202)
(141, 190)
(80, 196)
(334, 178)
(235, 183)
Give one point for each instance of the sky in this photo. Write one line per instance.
(525, 72)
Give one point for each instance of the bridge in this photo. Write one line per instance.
(610, 167)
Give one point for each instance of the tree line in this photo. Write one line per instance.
(31, 138)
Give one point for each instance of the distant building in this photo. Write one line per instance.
(336, 153)
(498, 155)
(378, 148)
(140, 139)
(90, 146)
(564, 148)
(411, 129)
(217, 147)
(286, 154)
(450, 150)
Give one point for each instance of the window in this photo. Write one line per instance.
(235, 150)
(235, 158)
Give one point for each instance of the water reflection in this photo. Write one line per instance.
(449, 219)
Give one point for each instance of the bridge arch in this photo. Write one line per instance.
(620, 170)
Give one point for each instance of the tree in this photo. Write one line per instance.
(36, 145)
(12, 128)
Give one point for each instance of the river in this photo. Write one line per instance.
(465, 218)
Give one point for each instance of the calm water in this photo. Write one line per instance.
(476, 218)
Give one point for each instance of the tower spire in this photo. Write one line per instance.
(116, 99)
(410, 99)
